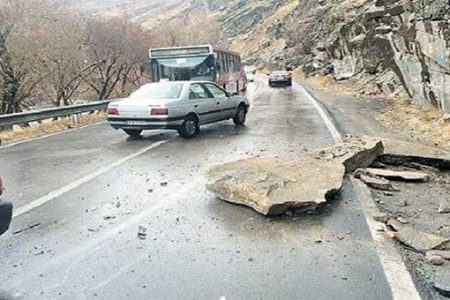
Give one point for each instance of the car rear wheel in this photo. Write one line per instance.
(133, 132)
(189, 128)
(241, 116)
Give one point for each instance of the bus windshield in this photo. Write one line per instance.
(185, 68)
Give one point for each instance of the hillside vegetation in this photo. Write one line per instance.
(394, 47)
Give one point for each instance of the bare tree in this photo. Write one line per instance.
(117, 48)
(65, 59)
(20, 44)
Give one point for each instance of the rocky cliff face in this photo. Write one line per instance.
(400, 46)
(390, 46)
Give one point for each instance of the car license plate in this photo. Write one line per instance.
(136, 122)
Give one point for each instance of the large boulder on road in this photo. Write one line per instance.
(273, 186)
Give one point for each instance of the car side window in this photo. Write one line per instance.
(215, 90)
(197, 91)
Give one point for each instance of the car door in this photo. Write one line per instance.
(202, 103)
(224, 105)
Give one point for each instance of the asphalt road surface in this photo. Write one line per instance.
(81, 196)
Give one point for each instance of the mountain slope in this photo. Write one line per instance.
(398, 47)
(394, 47)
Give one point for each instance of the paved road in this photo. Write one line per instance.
(87, 191)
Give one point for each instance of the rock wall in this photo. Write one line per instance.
(397, 46)
(409, 38)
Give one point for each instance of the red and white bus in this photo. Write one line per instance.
(203, 62)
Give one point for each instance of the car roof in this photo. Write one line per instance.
(280, 72)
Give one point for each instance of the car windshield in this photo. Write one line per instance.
(160, 90)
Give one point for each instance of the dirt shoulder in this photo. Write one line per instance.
(49, 127)
(409, 130)
(406, 128)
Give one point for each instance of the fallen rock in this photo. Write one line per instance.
(445, 254)
(445, 118)
(444, 206)
(391, 234)
(377, 183)
(380, 217)
(401, 202)
(380, 228)
(398, 175)
(419, 240)
(395, 9)
(354, 152)
(433, 259)
(142, 232)
(272, 186)
(375, 12)
(402, 220)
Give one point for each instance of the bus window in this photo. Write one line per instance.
(222, 62)
(225, 60)
(233, 64)
(229, 63)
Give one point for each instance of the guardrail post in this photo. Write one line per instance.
(75, 119)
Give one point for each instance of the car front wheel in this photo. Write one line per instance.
(189, 128)
(133, 132)
(241, 116)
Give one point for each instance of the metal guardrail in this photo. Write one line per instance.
(50, 113)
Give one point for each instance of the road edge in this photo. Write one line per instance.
(19, 142)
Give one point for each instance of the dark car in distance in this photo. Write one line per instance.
(280, 78)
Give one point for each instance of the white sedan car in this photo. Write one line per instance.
(179, 105)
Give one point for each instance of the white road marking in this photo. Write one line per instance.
(397, 275)
(49, 135)
(328, 122)
(56, 193)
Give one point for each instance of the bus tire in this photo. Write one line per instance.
(241, 115)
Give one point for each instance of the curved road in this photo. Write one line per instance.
(82, 195)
